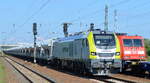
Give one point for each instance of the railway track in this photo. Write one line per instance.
(94, 79)
(102, 79)
(28, 73)
(108, 79)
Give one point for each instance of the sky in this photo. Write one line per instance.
(17, 17)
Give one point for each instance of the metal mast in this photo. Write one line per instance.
(115, 21)
(65, 28)
(106, 18)
(35, 34)
(91, 26)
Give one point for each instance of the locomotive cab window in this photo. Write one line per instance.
(127, 42)
(132, 42)
(137, 42)
(104, 40)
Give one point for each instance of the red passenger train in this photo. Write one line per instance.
(132, 50)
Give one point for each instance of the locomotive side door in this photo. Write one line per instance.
(78, 49)
(71, 50)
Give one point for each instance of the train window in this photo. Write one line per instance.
(127, 42)
(38, 51)
(65, 49)
(137, 42)
(103, 37)
(104, 40)
(48, 52)
(83, 43)
(86, 42)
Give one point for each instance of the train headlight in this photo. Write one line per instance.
(103, 32)
(141, 56)
(126, 57)
(93, 53)
(117, 53)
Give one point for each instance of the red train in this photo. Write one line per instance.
(132, 50)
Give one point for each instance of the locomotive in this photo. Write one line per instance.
(96, 52)
(132, 51)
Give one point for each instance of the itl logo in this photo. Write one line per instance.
(106, 50)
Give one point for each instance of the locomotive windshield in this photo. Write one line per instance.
(104, 40)
(137, 42)
(132, 42)
(128, 42)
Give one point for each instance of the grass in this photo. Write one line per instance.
(2, 73)
(148, 58)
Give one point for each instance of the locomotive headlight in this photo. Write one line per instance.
(103, 32)
(117, 53)
(93, 53)
(126, 57)
(141, 56)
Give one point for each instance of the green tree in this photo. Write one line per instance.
(147, 46)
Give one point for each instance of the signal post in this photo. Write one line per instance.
(35, 34)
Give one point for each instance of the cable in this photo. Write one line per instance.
(97, 11)
(90, 4)
(32, 16)
(139, 14)
(83, 8)
(35, 13)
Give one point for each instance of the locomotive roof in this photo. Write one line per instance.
(20, 47)
(130, 37)
(98, 31)
(82, 35)
(73, 37)
(46, 42)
